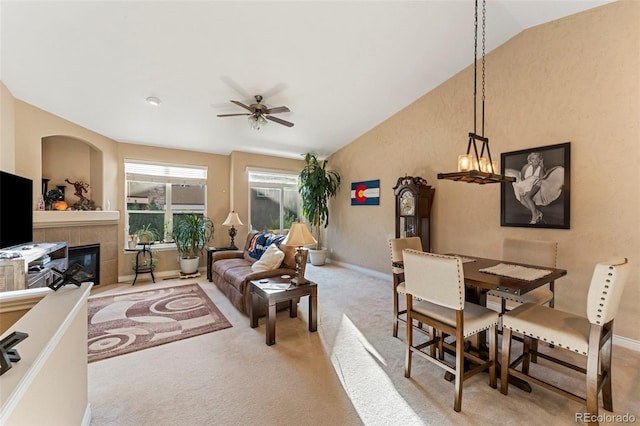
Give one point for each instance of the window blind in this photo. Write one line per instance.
(165, 173)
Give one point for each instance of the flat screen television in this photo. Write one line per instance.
(16, 211)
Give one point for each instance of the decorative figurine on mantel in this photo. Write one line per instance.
(81, 188)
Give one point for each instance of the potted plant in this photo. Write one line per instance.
(191, 233)
(146, 234)
(168, 233)
(317, 185)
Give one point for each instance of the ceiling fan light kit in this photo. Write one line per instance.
(259, 114)
(474, 167)
(257, 121)
(153, 100)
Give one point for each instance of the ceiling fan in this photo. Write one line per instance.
(259, 113)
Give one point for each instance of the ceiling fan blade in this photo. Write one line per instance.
(277, 110)
(279, 121)
(243, 106)
(231, 115)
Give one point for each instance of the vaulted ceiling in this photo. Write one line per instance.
(341, 67)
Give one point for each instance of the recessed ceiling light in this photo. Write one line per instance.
(152, 100)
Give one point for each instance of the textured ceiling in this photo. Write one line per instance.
(341, 67)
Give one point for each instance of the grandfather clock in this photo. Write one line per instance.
(413, 209)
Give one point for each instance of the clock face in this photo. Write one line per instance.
(407, 204)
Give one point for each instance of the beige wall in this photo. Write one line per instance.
(240, 161)
(572, 80)
(217, 195)
(32, 125)
(7, 130)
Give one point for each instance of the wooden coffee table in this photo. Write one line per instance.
(270, 291)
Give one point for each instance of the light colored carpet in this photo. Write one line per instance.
(350, 372)
(128, 322)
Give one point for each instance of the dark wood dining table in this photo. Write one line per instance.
(478, 284)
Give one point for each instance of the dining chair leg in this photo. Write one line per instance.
(605, 356)
(440, 335)
(457, 404)
(409, 342)
(527, 343)
(533, 354)
(593, 364)
(396, 309)
(506, 355)
(493, 351)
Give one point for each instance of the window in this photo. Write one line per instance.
(156, 194)
(274, 202)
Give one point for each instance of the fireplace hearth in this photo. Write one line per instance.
(87, 256)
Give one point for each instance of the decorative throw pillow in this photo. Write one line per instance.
(271, 259)
(260, 242)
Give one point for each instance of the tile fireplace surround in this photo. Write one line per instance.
(80, 228)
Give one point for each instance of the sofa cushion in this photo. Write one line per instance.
(237, 276)
(270, 259)
(221, 266)
(260, 242)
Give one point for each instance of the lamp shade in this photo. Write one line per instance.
(232, 220)
(299, 236)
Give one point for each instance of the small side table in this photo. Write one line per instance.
(269, 295)
(141, 255)
(210, 251)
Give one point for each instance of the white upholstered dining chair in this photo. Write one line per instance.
(438, 282)
(590, 336)
(396, 245)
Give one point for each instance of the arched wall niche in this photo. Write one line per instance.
(67, 157)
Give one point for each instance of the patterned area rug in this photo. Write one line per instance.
(123, 323)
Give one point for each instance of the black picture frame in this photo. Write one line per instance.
(551, 199)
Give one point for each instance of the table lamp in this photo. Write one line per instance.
(298, 237)
(232, 220)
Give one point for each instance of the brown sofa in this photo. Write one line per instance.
(231, 272)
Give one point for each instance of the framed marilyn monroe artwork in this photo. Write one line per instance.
(540, 196)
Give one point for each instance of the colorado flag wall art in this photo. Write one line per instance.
(365, 193)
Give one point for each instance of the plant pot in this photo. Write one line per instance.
(132, 244)
(318, 256)
(188, 266)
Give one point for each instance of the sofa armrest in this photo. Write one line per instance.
(228, 254)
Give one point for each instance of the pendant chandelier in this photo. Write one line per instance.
(477, 166)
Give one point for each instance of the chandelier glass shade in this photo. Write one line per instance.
(477, 166)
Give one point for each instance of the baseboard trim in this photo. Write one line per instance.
(621, 341)
(157, 275)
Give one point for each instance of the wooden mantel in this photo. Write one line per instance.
(55, 219)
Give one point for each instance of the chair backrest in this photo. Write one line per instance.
(531, 252)
(605, 291)
(396, 245)
(435, 278)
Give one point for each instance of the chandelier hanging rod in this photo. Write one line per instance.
(476, 168)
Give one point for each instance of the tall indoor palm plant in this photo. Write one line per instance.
(317, 185)
(191, 232)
